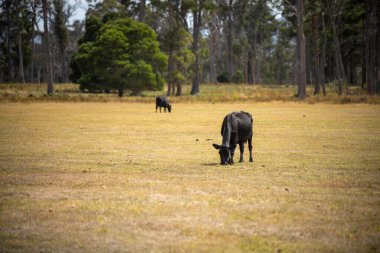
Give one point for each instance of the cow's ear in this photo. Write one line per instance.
(216, 146)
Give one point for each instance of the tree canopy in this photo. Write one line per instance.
(124, 55)
(206, 41)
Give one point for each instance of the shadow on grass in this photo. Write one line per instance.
(210, 164)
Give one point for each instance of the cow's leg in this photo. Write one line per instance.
(160, 109)
(156, 108)
(241, 146)
(250, 149)
(232, 150)
(164, 109)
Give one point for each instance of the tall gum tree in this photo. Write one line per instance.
(301, 52)
(372, 46)
(49, 67)
(197, 23)
(61, 33)
(334, 10)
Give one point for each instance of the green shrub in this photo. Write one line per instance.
(238, 77)
(223, 78)
(125, 55)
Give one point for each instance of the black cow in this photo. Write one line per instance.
(236, 129)
(162, 101)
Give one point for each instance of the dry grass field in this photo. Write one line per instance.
(118, 177)
(210, 93)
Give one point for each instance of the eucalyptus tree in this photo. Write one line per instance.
(141, 15)
(315, 40)
(175, 40)
(213, 27)
(301, 52)
(61, 33)
(197, 23)
(372, 46)
(49, 67)
(283, 54)
(20, 10)
(334, 9)
(229, 67)
(323, 57)
(33, 7)
(7, 6)
(295, 13)
(15, 34)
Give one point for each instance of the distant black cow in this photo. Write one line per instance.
(236, 129)
(163, 102)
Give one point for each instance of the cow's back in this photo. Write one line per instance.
(244, 125)
(160, 101)
(239, 127)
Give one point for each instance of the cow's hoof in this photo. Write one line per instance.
(251, 160)
(240, 161)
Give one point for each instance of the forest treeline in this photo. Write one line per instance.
(310, 42)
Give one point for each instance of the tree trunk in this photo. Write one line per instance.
(9, 48)
(301, 52)
(249, 68)
(377, 49)
(33, 44)
(338, 57)
(364, 55)
(316, 54)
(258, 66)
(170, 73)
(246, 69)
(323, 58)
(354, 77)
(20, 55)
(253, 66)
(257, 50)
(350, 63)
(335, 12)
(61, 34)
(173, 87)
(179, 88)
(364, 68)
(309, 69)
(213, 35)
(229, 41)
(49, 69)
(168, 93)
(63, 67)
(280, 74)
(196, 32)
(370, 46)
(141, 16)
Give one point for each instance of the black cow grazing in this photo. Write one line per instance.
(162, 101)
(236, 129)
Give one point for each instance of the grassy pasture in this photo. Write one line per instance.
(117, 177)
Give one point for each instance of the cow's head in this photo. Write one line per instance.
(169, 107)
(225, 154)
